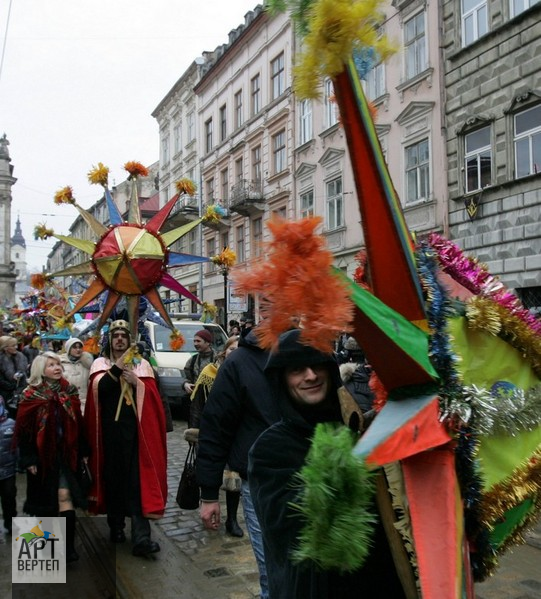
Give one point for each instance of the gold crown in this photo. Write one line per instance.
(119, 324)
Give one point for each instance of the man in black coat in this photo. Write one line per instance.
(305, 384)
(239, 408)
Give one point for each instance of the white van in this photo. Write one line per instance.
(170, 363)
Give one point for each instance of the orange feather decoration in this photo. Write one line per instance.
(92, 345)
(297, 282)
(39, 280)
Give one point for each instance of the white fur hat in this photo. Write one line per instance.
(71, 341)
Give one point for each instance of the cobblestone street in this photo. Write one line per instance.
(196, 564)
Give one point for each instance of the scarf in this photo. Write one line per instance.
(48, 415)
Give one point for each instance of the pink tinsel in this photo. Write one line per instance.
(476, 278)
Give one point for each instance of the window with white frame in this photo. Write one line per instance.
(255, 92)
(223, 122)
(305, 124)
(239, 169)
(528, 141)
(415, 45)
(518, 6)
(211, 251)
(375, 82)
(238, 109)
(210, 190)
(335, 203)
(257, 236)
(474, 20)
(279, 151)
(225, 239)
(307, 203)
(477, 159)
(165, 149)
(278, 78)
(190, 126)
(280, 212)
(256, 164)
(239, 235)
(224, 178)
(177, 137)
(192, 242)
(208, 135)
(331, 114)
(417, 162)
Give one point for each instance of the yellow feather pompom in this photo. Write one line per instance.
(133, 357)
(62, 323)
(226, 258)
(99, 175)
(186, 186)
(336, 28)
(64, 196)
(209, 312)
(42, 232)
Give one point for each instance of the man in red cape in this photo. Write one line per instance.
(125, 424)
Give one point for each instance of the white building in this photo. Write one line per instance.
(263, 152)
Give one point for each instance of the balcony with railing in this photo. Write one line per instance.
(247, 197)
(221, 207)
(185, 211)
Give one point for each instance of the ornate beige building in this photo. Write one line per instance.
(7, 267)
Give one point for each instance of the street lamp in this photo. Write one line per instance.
(225, 260)
(225, 273)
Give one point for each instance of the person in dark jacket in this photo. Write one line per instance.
(239, 408)
(13, 371)
(305, 384)
(355, 375)
(8, 487)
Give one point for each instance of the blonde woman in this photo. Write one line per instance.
(48, 433)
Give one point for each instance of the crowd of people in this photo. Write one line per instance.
(253, 414)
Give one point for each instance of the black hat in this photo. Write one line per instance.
(292, 353)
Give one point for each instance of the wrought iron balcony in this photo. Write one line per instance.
(247, 197)
(223, 209)
(184, 211)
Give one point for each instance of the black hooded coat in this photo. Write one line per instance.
(277, 455)
(240, 406)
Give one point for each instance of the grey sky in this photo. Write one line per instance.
(78, 85)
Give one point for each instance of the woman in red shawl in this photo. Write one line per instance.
(48, 433)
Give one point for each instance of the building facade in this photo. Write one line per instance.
(264, 152)
(493, 123)
(7, 267)
(18, 258)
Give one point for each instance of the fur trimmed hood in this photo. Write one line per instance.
(347, 370)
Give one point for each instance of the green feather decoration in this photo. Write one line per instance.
(336, 502)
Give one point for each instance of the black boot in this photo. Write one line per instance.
(140, 536)
(71, 554)
(116, 528)
(232, 499)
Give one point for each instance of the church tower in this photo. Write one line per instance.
(18, 257)
(7, 268)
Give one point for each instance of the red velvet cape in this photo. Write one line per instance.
(152, 440)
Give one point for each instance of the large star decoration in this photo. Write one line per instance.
(130, 259)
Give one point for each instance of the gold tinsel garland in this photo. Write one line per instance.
(524, 483)
(487, 315)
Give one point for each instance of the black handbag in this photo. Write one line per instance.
(188, 489)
